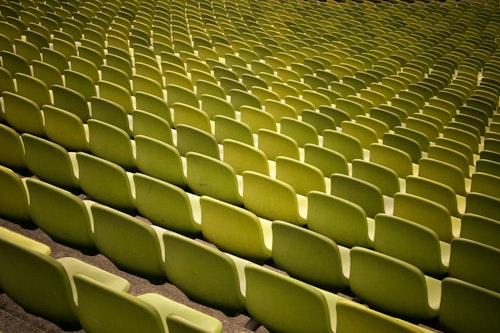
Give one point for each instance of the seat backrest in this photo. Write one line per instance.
(482, 204)
(188, 262)
(450, 156)
(243, 157)
(235, 229)
(300, 131)
(12, 149)
(116, 93)
(14, 202)
(381, 176)
(443, 172)
(474, 262)
(148, 124)
(110, 113)
(278, 203)
(301, 176)
(141, 254)
(363, 133)
(353, 317)
(401, 287)
(166, 205)
(486, 184)
(212, 177)
(70, 221)
(468, 308)
(153, 157)
(111, 143)
(403, 143)
(257, 119)
(192, 116)
(32, 88)
(284, 304)
(154, 105)
(480, 229)
(326, 160)
(232, 129)
(425, 212)
(37, 282)
(338, 219)
(179, 94)
(343, 143)
(50, 162)
(192, 139)
(411, 242)
(366, 195)
(275, 144)
(308, 256)
(22, 114)
(105, 182)
(65, 128)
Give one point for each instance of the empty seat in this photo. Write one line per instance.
(480, 229)
(142, 254)
(444, 173)
(274, 144)
(285, 304)
(340, 220)
(243, 157)
(413, 243)
(12, 149)
(301, 176)
(190, 139)
(65, 128)
(402, 289)
(467, 308)
(204, 273)
(14, 203)
(61, 214)
(310, 256)
(235, 230)
(485, 184)
(281, 202)
(106, 182)
(22, 114)
(167, 205)
(209, 176)
(43, 285)
(381, 176)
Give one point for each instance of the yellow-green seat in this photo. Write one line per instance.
(14, 201)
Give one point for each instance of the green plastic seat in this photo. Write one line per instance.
(326, 160)
(103, 309)
(381, 176)
(343, 143)
(413, 243)
(33, 89)
(275, 144)
(61, 214)
(402, 289)
(160, 160)
(341, 220)
(209, 176)
(12, 149)
(14, 203)
(243, 157)
(280, 203)
(191, 139)
(474, 262)
(444, 173)
(191, 116)
(235, 230)
(43, 285)
(167, 205)
(353, 317)
(301, 176)
(205, 274)
(467, 308)
(480, 229)
(486, 184)
(310, 256)
(152, 126)
(106, 182)
(285, 304)
(226, 128)
(65, 128)
(22, 114)
(142, 254)
(111, 113)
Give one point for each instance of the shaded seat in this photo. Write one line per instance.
(326, 160)
(111, 113)
(341, 220)
(243, 157)
(22, 114)
(301, 176)
(413, 243)
(61, 214)
(111, 143)
(12, 149)
(310, 256)
(106, 182)
(65, 128)
(444, 173)
(209, 176)
(285, 304)
(43, 285)
(192, 116)
(275, 144)
(353, 317)
(381, 176)
(486, 184)
(32, 88)
(402, 289)
(152, 126)
(232, 129)
(467, 308)
(50, 162)
(480, 229)
(235, 230)
(141, 254)
(366, 195)
(190, 139)
(475, 263)
(160, 160)
(14, 201)
(103, 308)
(281, 202)
(343, 143)
(167, 205)
(189, 262)
(71, 101)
